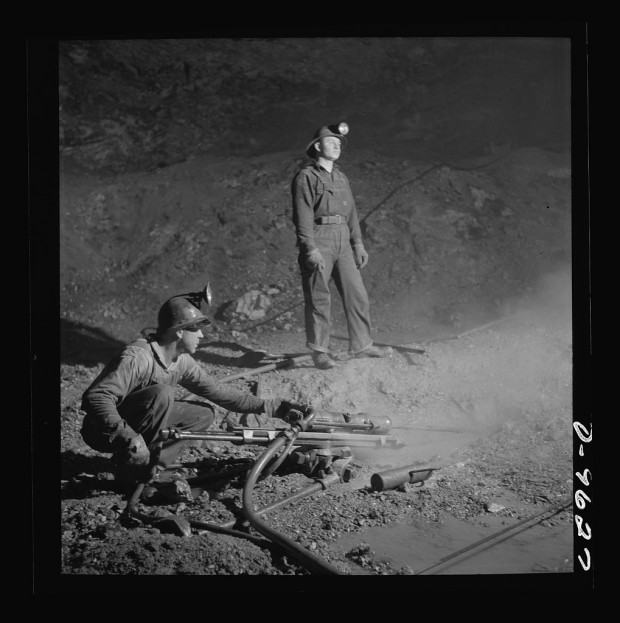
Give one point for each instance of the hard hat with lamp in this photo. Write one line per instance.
(339, 130)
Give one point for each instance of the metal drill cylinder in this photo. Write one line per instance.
(396, 477)
(363, 422)
(379, 424)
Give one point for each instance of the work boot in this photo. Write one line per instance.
(322, 360)
(374, 351)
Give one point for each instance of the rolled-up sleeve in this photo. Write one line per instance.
(303, 211)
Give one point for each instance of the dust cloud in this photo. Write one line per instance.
(517, 368)
(549, 301)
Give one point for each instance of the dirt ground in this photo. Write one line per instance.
(470, 279)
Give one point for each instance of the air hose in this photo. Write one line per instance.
(279, 460)
(308, 559)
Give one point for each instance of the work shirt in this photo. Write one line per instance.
(141, 364)
(317, 192)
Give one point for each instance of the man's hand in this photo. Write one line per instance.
(133, 461)
(277, 408)
(315, 260)
(137, 452)
(361, 256)
(285, 407)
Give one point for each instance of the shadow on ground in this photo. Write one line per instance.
(248, 358)
(84, 345)
(84, 475)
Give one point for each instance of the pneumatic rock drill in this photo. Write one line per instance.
(323, 448)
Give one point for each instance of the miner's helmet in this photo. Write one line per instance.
(339, 130)
(183, 312)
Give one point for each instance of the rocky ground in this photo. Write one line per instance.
(470, 279)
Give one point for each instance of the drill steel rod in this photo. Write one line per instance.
(438, 429)
(260, 436)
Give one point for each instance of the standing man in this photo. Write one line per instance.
(133, 398)
(330, 246)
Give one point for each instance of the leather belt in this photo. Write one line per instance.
(334, 219)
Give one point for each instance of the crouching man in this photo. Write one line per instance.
(133, 398)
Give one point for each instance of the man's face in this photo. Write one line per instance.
(190, 340)
(329, 148)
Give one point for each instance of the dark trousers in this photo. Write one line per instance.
(335, 247)
(154, 408)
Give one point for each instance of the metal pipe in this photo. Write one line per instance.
(313, 562)
(244, 435)
(554, 509)
(393, 478)
(295, 497)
